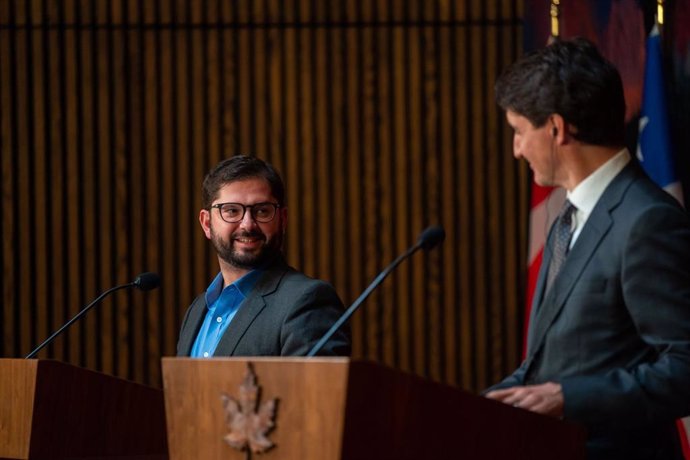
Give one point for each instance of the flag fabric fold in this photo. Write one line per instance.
(654, 149)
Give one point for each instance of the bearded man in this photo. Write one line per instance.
(257, 305)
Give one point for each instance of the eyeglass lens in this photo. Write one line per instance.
(234, 212)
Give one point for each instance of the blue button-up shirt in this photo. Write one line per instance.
(222, 305)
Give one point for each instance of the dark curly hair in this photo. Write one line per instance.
(570, 78)
(241, 167)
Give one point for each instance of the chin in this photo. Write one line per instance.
(540, 181)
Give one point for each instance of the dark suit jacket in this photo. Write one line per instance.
(614, 330)
(284, 315)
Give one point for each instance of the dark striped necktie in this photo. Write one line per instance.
(563, 233)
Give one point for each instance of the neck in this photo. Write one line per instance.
(584, 160)
(231, 273)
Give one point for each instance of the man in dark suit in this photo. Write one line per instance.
(257, 305)
(609, 336)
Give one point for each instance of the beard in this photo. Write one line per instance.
(247, 260)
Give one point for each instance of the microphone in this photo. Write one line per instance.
(145, 282)
(428, 239)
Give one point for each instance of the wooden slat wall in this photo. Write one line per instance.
(379, 114)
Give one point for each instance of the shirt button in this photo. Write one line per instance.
(219, 319)
(206, 354)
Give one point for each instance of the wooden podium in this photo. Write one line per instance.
(53, 410)
(335, 408)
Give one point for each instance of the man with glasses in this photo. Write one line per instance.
(257, 305)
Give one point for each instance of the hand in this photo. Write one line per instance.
(546, 398)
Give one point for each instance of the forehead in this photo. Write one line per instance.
(245, 191)
(517, 120)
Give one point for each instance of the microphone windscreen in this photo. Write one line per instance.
(431, 237)
(147, 281)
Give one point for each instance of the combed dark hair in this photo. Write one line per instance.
(570, 78)
(241, 167)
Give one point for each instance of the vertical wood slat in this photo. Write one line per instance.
(447, 200)
(102, 67)
(168, 237)
(24, 194)
(353, 107)
(401, 172)
(180, 205)
(368, 156)
(8, 86)
(83, 86)
(39, 175)
(380, 116)
(322, 183)
(67, 101)
(152, 312)
(385, 192)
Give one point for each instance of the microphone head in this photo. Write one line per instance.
(147, 281)
(431, 237)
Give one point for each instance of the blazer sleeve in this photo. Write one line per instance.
(517, 378)
(655, 284)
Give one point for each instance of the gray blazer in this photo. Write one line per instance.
(284, 315)
(614, 330)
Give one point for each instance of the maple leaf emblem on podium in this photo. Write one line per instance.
(248, 426)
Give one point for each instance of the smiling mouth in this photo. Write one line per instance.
(247, 240)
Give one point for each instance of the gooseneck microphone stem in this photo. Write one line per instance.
(350, 311)
(429, 238)
(75, 318)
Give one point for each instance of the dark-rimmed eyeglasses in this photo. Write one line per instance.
(234, 212)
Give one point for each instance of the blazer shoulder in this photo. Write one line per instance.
(296, 283)
(633, 194)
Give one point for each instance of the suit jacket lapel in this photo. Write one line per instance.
(598, 224)
(250, 308)
(197, 313)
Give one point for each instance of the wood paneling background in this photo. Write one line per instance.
(379, 114)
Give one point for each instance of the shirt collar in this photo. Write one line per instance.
(586, 194)
(244, 285)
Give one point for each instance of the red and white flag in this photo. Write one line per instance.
(544, 207)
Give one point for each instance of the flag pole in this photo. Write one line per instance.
(555, 13)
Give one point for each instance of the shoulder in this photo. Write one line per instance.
(636, 198)
(297, 282)
(286, 282)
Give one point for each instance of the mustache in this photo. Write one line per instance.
(248, 234)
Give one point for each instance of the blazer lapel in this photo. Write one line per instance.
(252, 306)
(597, 226)
(196, 317)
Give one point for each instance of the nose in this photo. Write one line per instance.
(517, 152)
(248, 221)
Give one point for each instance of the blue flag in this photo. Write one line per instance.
(654, 145)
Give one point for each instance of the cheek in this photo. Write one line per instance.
(518, 145)
(270, 230)
(223, 229)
